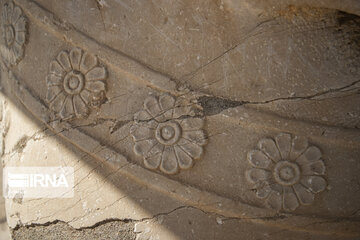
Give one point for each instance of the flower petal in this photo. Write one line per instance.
(20, 37)
(153, 161)
(58, 102)
(68, 109)
(258, 159)
(141, 132)
(168, 114)
(263, 189)
(18, 51)
(276, 187)
(169, 163)
(162, 118)
(182, 111)
(20, 25)
(269, 147)
(152, 124)
(290, 200)
(198, 137)
(315, 184)
(184, 160)
(9, 9)
(52, 92)
(142, 116)
(274, 201)
(64, 61)
(190, 148)
(313, 168)
(97, 73)
(75, 58)
(298, 146)
(311, 154)
(143, 147)
(305, 196)
(283, 142)
(56, 68)
(85, 95)
(95, 86)
(155, 149)
(189, 124)
(255, 175)
(166, 102)
(16, 14)
(81, 110)
(4, 14)
(152, 106)
(88, 62)
(52, 80)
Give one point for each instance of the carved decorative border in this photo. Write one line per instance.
(204, 200)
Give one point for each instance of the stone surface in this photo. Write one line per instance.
(189, 223)
(191, 120)
(59, 230)
(4, 228)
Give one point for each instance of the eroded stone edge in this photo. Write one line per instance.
(158, 218)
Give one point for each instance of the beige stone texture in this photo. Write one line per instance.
(187, 119)
(4, 229)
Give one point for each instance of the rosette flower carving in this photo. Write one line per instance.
(75, 83)
(167, 136)
(14, 29)
(286, 171)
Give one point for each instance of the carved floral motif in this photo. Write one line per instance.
(75, 83)
(286, 171)
(167, 136)
(14, 29)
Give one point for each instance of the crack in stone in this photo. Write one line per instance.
(249, 35)
(99, 7)
(61, 230)
(213, 105)
(118, 125)
(313, 96)
(97, 209)
(277, 216)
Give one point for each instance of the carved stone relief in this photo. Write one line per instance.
(13, 31)
(75, 83)
(286, 172)
(167, 136)
(150, 128)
